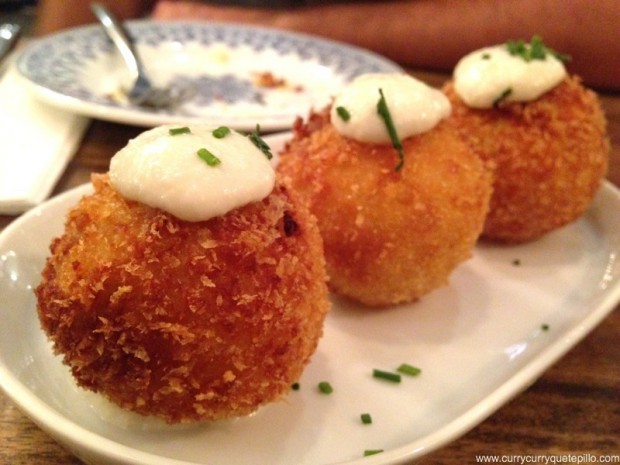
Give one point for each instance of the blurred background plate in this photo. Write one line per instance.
(242, 76)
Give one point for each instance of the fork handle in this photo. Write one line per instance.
(120, 37)
(9, 34)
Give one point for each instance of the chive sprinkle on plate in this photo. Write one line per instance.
(409, 370)
(387, 375)
(325, 387)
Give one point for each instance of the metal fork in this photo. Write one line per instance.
(9, 35)
(142, 91)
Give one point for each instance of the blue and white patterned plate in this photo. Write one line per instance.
(241, 76)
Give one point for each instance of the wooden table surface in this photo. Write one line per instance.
(573, 410)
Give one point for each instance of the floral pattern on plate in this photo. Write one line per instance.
(238, 76)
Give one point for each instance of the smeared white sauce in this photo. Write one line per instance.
(164, 171)
(414, 107)
(492, 73)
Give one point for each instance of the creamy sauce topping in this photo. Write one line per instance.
(491, 74)
(414, 107)
(164, 171)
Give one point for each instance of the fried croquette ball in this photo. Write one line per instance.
(390, 236)
(182, 320)
(549, 157)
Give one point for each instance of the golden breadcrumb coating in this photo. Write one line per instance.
(185, 321)
(549, 157)
(390, 237)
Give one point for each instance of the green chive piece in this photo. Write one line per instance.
(221, 132)
(177, 131)
(387, 375)
(343, 113)
(325, 387)
(384, 112)
(563, 57)
(486, 56)
(504, 95)
(544, 327)
(256, 139)
(208, 157)
(538, 51)
(517, 47)
(366, 418)
(368, 452)
(409, 370)
(535, 50)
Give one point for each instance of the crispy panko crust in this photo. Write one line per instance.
(390, 237)
(185, 321)
(549, 158)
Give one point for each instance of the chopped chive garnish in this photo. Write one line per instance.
(503, 96)
(295, 386)
(516, 262)
(387, 375)
(384, 112)
(325, 387)
(407, 369)
(535, 50)
(366, 418)
(368, 452)
(208, 157)
(545, 327)
(486, 56)
(563, 57)
(256, 139)
(343, 113)
(221, 132)
(177, 131)
(517, 47)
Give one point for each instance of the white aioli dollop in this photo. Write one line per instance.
(483, 76)
(414, 107)
(164, 171)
